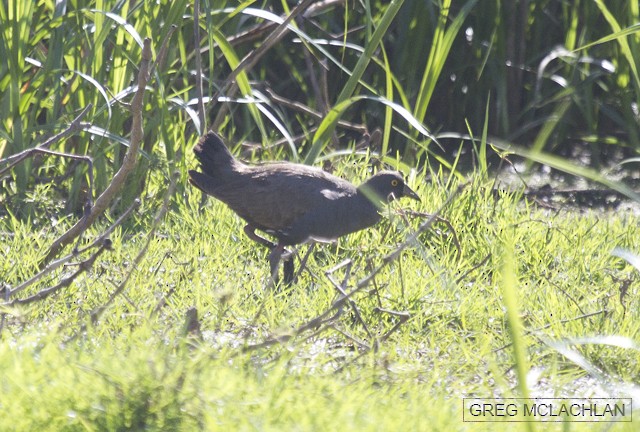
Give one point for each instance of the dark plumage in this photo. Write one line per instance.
(293, 202)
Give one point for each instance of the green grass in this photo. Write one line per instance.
(508, 293)
(135, 368)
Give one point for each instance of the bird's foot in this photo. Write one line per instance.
(274, 260)
(303, 263)
(279, 253)
(288, 269)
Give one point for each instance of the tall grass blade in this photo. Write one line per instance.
(369, 50)
(440, 47)
(329, 123)
(628, 256)
(563, 165)
(321, 138)
(516, 332)
(242, 79)
(388, 112)
(622, 41)
(16, 17)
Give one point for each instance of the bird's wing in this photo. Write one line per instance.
(273, 197)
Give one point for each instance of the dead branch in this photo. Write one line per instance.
(128, 164)
(46, 292)
(252, 58)
(75, 126)
(64, 260)
(327, 317)
(97, 313)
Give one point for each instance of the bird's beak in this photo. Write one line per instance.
(406, 191)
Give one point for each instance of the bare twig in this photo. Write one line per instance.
(326, 316)
(59, 262)
(196, 41)
(355, 359)
(162, 302)
(300, 107)
(252, 58)
(562, 321)
(350, 337)
(341, 289)
(97, 313)
(315, 322)
(75, 126)
(162, 53)
(46, 292)
(569, 296)
(128, 164)
(303, 262)
(477, 266)
(403, 316)
(315, 85)
(444, 221)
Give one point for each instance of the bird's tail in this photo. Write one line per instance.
(216, 163)
(214, 157)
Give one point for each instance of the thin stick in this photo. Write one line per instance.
(57, 263)
(252, 58)
(341, 289)
(196, 41)
(325, 317)
(444, 221)
(97, 313)
(75, 126)
(477, 266)
(128, 164)
(46, 292)
(303, 263)
(562, 321)
(403, 316)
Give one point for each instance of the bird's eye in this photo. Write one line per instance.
(394, 182)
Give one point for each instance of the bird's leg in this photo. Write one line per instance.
(279, 253)
(274, 260)
(275, 256)
(303, 263)
(288, 268)
(250, 231)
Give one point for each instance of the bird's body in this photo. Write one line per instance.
(293, 202)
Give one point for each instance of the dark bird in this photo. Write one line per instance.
(293, 202)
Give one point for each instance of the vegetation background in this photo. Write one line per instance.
(447, 91)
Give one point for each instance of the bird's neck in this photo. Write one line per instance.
(371, 196)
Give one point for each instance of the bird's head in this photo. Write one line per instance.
(387, 186)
